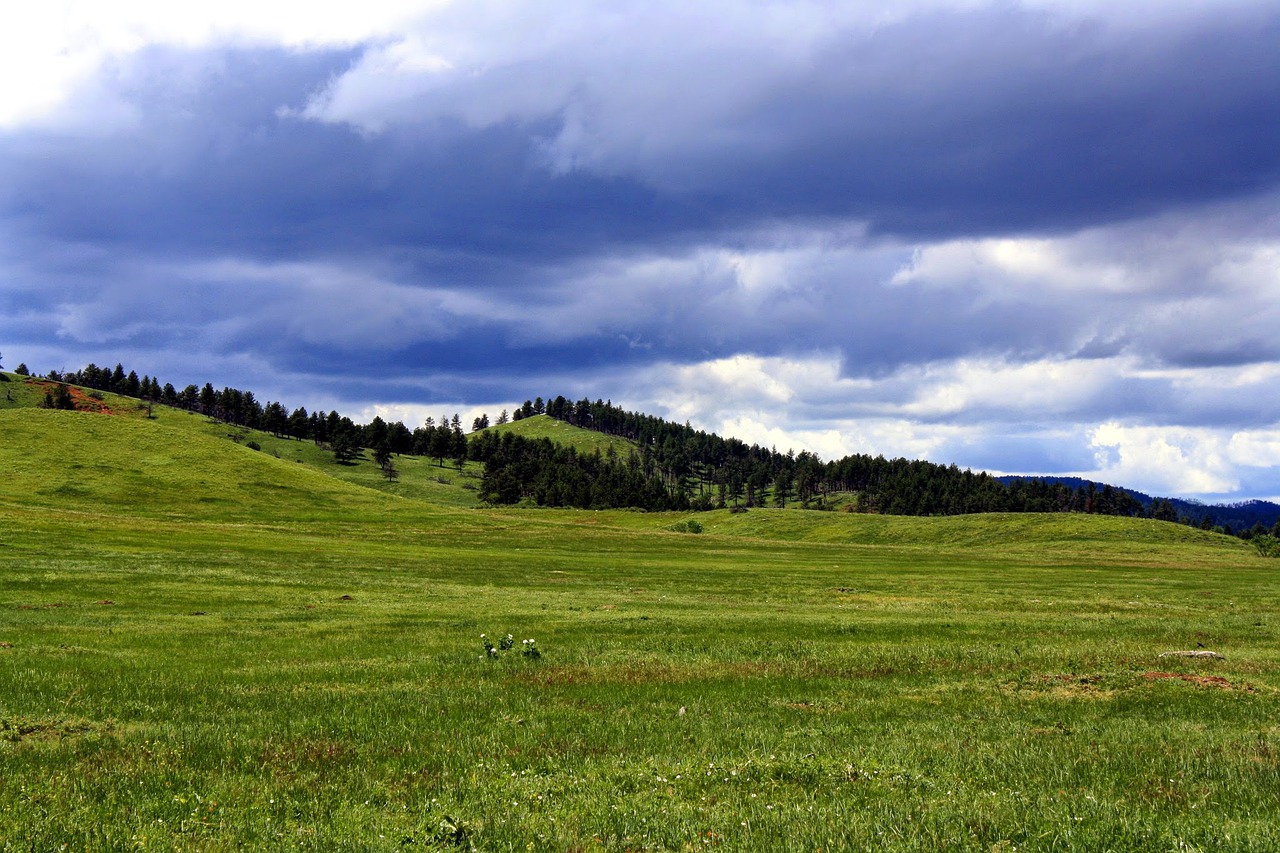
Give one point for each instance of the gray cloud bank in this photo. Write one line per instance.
(928, 229)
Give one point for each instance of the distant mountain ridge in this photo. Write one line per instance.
(1237, 516)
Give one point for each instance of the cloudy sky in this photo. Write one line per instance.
(1029, 237)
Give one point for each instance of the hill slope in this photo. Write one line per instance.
(97, 463)
(581, 440)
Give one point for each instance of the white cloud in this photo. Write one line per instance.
(1025, 263)
(1164, 460)
(1255, 448)
(414, 415)
(1038, 419)
(49, 51)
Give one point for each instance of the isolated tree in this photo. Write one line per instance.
(480, 423)
(21, 370)
(441, 443)
(503, 418)
(345, 447)
(382, 454)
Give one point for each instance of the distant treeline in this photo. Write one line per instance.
(1243, 518)
(518, 468)
(708, 470)
(673, 467)
(339, 433)
(704, 470)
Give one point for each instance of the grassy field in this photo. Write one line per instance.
(205, 647)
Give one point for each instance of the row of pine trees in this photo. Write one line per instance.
(673, 467)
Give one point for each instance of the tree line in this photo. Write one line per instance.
(444, 440)
(706, 470)
(518, 468)
(673, 466)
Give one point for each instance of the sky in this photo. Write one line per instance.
(1034, 237)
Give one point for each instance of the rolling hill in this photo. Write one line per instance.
(205, 646)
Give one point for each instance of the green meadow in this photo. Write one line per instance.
(209, 647)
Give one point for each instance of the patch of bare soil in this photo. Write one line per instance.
(1198, 680)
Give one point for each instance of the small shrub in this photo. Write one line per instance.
(253, 445)
(689, 525)
(1267, 545)
(452, 832)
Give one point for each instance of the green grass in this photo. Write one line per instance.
(419, 478)
(581, 440)
(209, 648)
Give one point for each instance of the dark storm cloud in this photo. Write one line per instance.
(949, 124)
(569, 197)
(216, 166)
(998, 122)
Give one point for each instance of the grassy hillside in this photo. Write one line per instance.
(582, 440)
(138, 467)
(204, 647)
(28, 392)
(419, 478)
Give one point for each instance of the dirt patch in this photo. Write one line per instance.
(1198, 680)
(1070, 678)
(4, 645)
(82, 401)
(85, 403)
(1070, 685)
(19, 729)
(283, 757)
